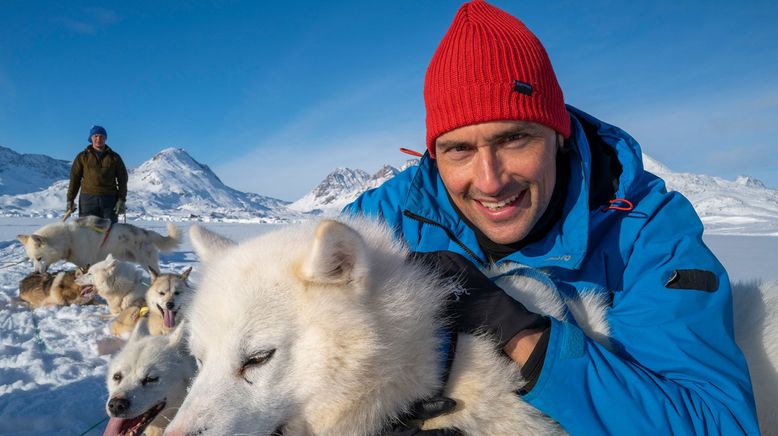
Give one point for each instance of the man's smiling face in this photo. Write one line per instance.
(500, 174)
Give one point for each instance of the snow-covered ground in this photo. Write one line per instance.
(52, 374)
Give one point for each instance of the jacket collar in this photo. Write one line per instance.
(566, 243)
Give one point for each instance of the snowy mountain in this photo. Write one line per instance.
(343, 186)
(743, 206)
(171, 185)
(174, 185)
(23, 173)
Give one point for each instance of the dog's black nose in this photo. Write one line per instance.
(118, 406)
(170, 304)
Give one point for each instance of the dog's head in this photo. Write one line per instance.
(168, 295)
(100, 276)
(288, 327)
(40, 250)
(148, 375)
(261, 322)
(65, 284)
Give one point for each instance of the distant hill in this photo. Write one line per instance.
(24, 173)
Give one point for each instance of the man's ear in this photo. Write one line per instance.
(338, 256)
(208, 245)
(560, 142)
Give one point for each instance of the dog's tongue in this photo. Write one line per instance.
(169, 318)
(114, 427)
(86, 290)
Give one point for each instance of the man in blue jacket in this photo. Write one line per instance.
(514, 175)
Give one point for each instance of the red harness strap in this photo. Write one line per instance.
(105, 236)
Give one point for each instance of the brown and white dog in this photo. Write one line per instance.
(168, 294)
(58, 289)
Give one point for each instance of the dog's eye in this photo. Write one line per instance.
(256, 360)
(161, 293)
(39, 259)
(117, 377)
(176, 293)
(149, 379)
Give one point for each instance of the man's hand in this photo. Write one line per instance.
(70, 208)
(119, 208)
(410, 423)
(482, 305)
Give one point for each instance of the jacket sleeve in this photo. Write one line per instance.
(76, 173)
(121, 178)
(675, 367)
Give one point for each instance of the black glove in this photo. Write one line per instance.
(482, 306)
(422, 410)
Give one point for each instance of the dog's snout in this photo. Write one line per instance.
(118, 406)
(170, 305)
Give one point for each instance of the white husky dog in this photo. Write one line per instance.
(83, 242)
(326, 329)
(121, 284)
(147, 382)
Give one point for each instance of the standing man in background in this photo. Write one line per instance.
(100, 174)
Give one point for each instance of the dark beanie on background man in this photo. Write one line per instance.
(490, 67)
(97, 130)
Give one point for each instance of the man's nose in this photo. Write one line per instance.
(488, 176)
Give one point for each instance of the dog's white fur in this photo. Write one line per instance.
(756, 331)
(132, 373)
(168, 292)
(352, 326)
(120, 283)
(81, 242)
(325, 329)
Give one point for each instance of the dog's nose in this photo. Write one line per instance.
(170, 305)
(118, 406)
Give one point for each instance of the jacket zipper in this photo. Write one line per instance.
(448, 232)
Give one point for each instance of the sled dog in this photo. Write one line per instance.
(147, 382)
(83, 241)
(325, 329)
(120, 283)
(163, 305)
(166, 297)
(58, 289)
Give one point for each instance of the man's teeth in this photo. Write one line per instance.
(500, 204)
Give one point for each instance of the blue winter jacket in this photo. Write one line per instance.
(676, 368)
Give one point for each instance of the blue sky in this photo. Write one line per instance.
(274, 95)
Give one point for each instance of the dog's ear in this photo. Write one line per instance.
(23, 238)
(110, 258)
(338, 256)
(152, 272)
(207, 244)
(178, 334)
(141, 329)
(185, 275)
(38, 240)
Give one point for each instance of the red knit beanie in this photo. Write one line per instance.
(490, 67)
